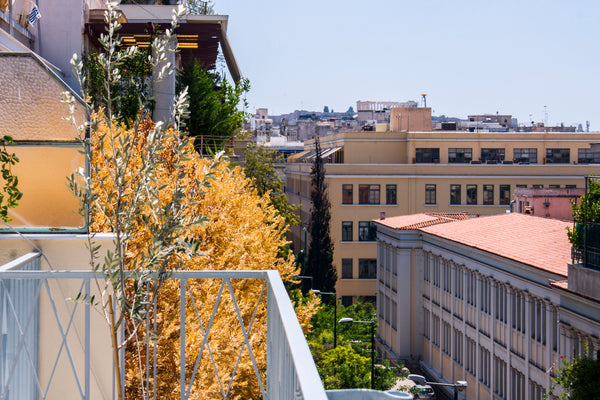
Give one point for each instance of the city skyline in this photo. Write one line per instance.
(526, 59)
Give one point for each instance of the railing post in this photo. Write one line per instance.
(182, 337)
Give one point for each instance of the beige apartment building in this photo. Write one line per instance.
(372, 174)
(495, 301)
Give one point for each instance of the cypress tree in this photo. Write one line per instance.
(320, 254)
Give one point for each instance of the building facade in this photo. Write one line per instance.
(400, 173)
(486, 300)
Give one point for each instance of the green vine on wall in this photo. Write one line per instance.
(10, 194)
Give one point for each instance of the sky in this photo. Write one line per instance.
(527, 58)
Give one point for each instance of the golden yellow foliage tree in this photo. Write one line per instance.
(242, 231)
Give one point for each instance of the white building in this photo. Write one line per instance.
(485, 300)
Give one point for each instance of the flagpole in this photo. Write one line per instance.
(37, 3)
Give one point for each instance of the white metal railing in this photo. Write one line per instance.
(71, 344)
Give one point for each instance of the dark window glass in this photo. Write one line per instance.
(570, 186)
(460, 156)
(554, 186)
(427, 155)
(368, 194)
(390, 194)
(367, 268)
(367, 231)
(430, 194)
(558, 156)
(588, 156)
(521, 186)
(347, 231)
(346, 268)
(504, 194)
(347, 194)
(455, 194)
(525, 156)
(537, 186)
(492, 155)
(488, 194)
(367, 299)
(471, 194)
(346, 301)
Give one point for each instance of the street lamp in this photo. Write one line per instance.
(459, 386)
(305, 277)
(372, 323)
(315, 291)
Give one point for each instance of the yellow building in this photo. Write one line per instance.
(397, 173)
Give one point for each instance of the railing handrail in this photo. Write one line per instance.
(292, 367)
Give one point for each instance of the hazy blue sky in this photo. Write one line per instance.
(469, 56)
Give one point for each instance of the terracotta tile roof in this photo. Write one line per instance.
(561, 284)
(539, 242)
(417, 221)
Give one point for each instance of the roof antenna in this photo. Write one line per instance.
(424, 96)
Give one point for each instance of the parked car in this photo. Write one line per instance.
(423, 392)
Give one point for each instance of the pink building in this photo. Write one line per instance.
(547, 203)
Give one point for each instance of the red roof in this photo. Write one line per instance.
(417, 221)
(539, 242)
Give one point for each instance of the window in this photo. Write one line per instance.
(470, 355)
(430, 194)
(536, 392)
(427, 155)
(394, 315)
(346, 231)
(504, 194)
(346, 268)
(484, 366)
(525, 156)
(446, 338)
(460, 156)
(553, 186)
(471, 194)
(558, 156)
(521, 186)
(455, 194)
(458, 347)
(517, 385)
(367, 231)
(346, 301)
(537, 186)
(367, 268)
(435, 330)
(492, 155)
(488, 194)
(500, 377)
(426, 331)
(588, 156)
(347, 194)
(390, 194)
(368, 194)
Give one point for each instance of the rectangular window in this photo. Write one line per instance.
(455, 194)
(346, 268)
(588, 156)
(435, 330)
(558, 156)
(484, 366)
(470, 355)
(367, 231)
(427, 155)
(347, 194)
(346, 301)
(499, 377)
(367, 268)
(458, 347)
(570, 186)
(390, 194)
(492, 155)
(460, 156)
(368, 194)
(517, 385)
(525, 156)
(430, 194)
(394, 315)
(553, 186)
(504, 194)
(471, 194)
(347, 231)
(488, 194)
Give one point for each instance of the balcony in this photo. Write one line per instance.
(56, 348)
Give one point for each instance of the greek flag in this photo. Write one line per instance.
(34, 15)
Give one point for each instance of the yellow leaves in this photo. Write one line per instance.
(242, 232)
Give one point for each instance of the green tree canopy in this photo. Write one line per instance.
(320, 253)
(213, 105)
(260, 168)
